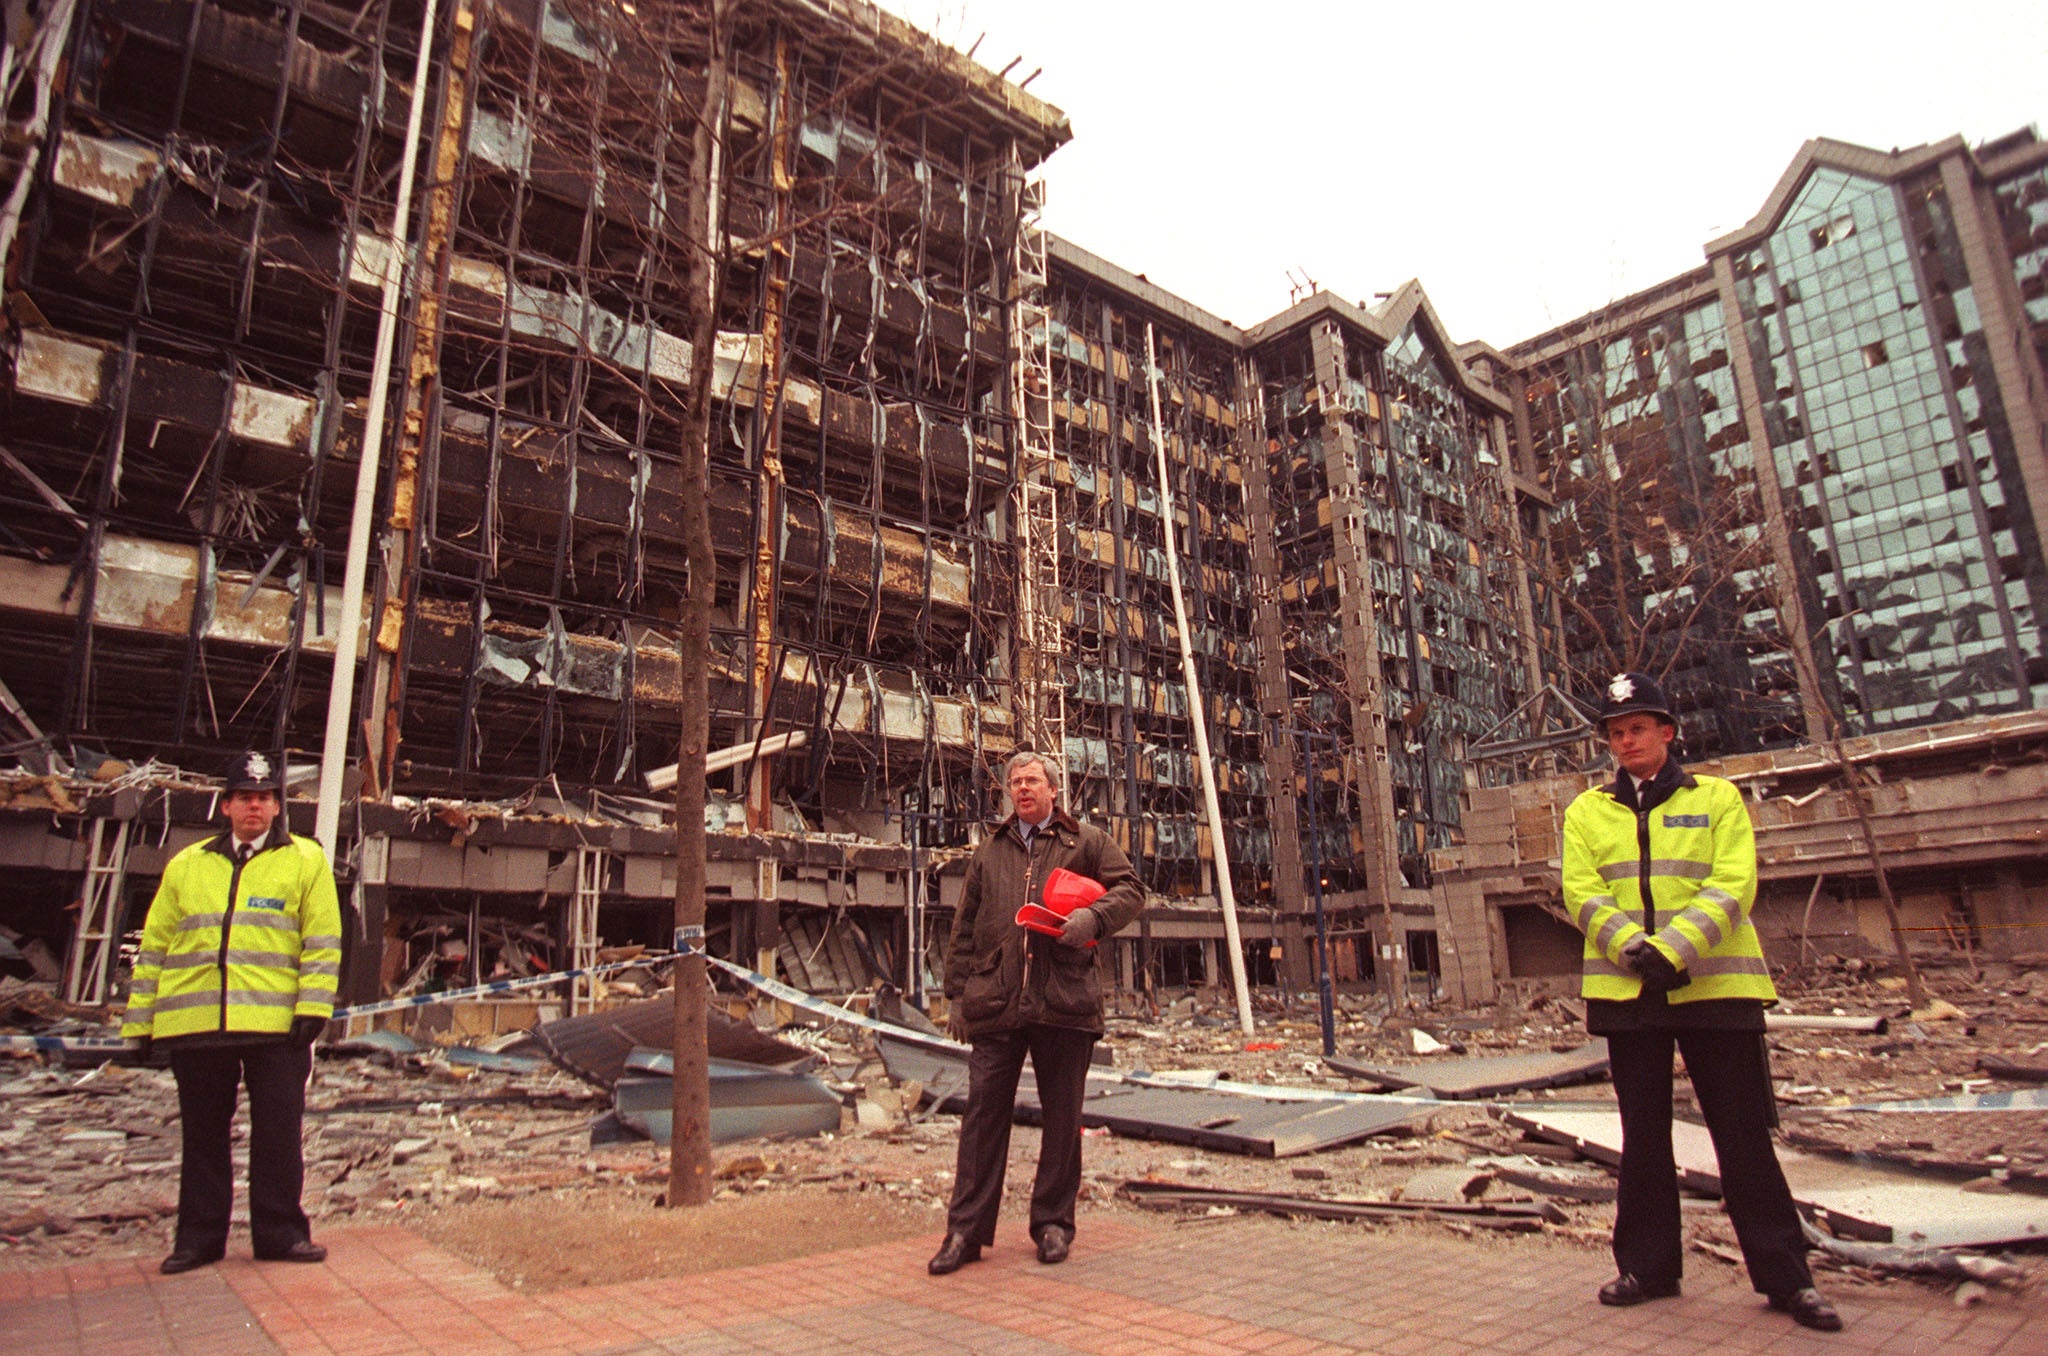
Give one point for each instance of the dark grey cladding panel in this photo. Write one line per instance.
(1487, 1076)
(1233, 1123)
(1224, 1121)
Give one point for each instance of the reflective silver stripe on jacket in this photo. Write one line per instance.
(210, 998)
(1589, 905)
(274, 960)
(1605, 937)
(263, 918)
(1729, 965)
(1680, 868)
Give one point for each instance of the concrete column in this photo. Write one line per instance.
(365, 907)
(1289, 892)
(1358, 623)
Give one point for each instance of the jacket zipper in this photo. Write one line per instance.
(1024, 983)
(227, 924)
(1643, 871)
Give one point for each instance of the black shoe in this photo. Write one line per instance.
(1625, 1290)
(188, 1259)
(1808, 1310)
(301, 1251)
(1053, 1244)
(954, 1253)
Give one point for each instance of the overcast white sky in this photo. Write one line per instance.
(1528, 162)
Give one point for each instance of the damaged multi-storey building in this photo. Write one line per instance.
(196, 286)
(955, 467)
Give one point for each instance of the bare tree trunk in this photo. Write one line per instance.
(1852, 778)
(1859, 805)
(690, 1135)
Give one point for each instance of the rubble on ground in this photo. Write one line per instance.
(90, 1164)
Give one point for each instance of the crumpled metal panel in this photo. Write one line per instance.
(747, 1101)
(590, 666)
(113, 172)
(594, 1046)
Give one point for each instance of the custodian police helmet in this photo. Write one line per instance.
(251, 771)
(1628, 693)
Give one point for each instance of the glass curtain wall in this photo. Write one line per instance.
(1866, 342)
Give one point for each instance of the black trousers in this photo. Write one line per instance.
(1059, 1062)
(207, 1084)
(1732, 1082)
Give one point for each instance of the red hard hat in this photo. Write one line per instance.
(1066, 891)
(1039, 919)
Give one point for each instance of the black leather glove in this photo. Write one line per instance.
(1658, 974)
(306, 1030)
(138, 1047)
(1082, 927)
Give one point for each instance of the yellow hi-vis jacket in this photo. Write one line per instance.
(231, 947)
(1684, 873)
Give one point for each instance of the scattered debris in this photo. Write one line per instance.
(1918, 1261)
(1507, 1215)
(407, 1125)
(2001, 1067)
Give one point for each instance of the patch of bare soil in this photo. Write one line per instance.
(559, 1241)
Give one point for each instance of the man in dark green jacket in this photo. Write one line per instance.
(1015, 992)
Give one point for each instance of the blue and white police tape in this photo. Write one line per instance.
(797, 998)
(496, 986)
(58, 1045)
(114, 1045)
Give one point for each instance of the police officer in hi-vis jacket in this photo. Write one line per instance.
(240, 959)
(1660, 875)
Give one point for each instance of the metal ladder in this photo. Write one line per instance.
(593, 867)
(1041, 699)
(99, 913)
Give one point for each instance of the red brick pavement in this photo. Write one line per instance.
(1132, 1288)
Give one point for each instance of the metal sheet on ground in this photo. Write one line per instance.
(1485, 1076)
(1227, 1122)
(1245, 1125)
(944, 1076)
(1853, 1201)
(2012, 1099)
(747, 1100)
